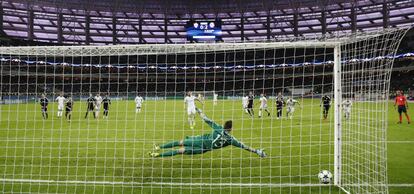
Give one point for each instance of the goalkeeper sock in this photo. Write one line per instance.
(170, 145)
(170, 153)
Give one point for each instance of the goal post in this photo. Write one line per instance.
(147, 84)
(337, 116)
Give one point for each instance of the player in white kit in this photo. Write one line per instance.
(189, 102)
(98, 102)
(215, 96)
(245, 102)
(263, 105)
(290, 103)
(138, 103)
(61, 104)
(346, 107)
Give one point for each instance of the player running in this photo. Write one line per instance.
(61, 103)
(189, 103)
(215, 96)
(245, 102)
(90, 106)
(43, 103)
(291, 107)
(263, 105)
(279, 107)
(106, 102)
(220, 137)
(402, 103)
(250, 100)
(346, 107)
(326, 102)
(69, 108)
(138, 103)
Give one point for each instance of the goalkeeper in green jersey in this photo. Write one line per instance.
(220, 137)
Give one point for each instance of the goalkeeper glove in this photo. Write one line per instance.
(261, 153)
(200, 112)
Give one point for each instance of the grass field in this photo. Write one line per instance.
(110, 155)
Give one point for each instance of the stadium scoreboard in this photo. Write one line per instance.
(203, 30)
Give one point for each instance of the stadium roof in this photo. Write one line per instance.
(181, 6)
(163, 21)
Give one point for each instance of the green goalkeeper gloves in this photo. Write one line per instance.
(199, 111)
(261, 153)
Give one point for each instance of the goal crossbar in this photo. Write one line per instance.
(117, 50)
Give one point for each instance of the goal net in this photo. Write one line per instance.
(117, 119)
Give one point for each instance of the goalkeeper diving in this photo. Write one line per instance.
(220, 137)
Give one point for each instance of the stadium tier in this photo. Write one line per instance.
(127, 22)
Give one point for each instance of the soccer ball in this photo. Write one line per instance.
(325, 177)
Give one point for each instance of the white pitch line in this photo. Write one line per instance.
(183, 184)
(164, 183)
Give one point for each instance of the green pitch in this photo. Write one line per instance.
(110, 155)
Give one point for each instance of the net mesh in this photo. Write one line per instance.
(366, 73)
(109, 153)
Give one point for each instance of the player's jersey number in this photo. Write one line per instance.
(220, 141)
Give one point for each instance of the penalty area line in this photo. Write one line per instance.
(180, 184)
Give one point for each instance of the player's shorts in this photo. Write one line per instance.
(44, 109)
(279, 109)
(193, 141)
(68, 109)
(326, 107)
(250, 105)
(98, 107)
(290, 109)
(60, 107)
(91, 107)
(194, 145)
(106, 107)
(263, 106)
(191, 111)
(402, 109)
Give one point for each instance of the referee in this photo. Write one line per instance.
(401, 102)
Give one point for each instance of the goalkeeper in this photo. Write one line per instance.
(220, 137)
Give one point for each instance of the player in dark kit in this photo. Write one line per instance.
(69, 108)
(250, 100)
(279, 107)
(91, 106)
(402, 103)
(106, 102)
(43, 103)
(220, 137)
(326, 102)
